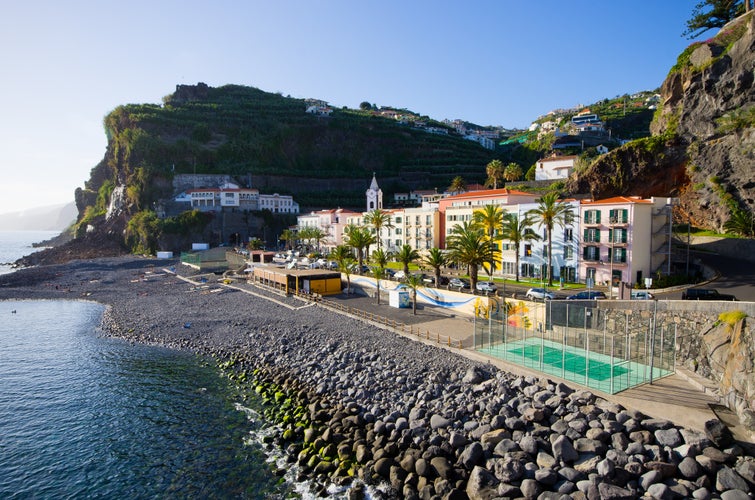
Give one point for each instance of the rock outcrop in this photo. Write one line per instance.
(703, 144)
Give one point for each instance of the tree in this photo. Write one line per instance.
(550, 211)
(494, 170)
(517, 231)
(710, 14)
(345, 259)
(360, 239)
(490, 218)
(435, 259)
(740, 222)
(458, 185)
(513, 172)
(406, 255)
(365, 106)
(414, 281)
(288, 237)
(378, 219)
(379, 260)
(142, 232)
(312, 236)
(468, 245)
(530, 175)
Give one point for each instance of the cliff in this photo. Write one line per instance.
(702, 147)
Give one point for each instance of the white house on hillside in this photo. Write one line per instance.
(554, 167)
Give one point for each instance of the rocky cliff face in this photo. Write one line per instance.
(703, 144)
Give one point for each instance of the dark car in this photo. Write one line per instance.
(592, 295)
(705, 294)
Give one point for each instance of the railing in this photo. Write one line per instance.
(394, 325)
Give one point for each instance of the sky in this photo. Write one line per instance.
(65, 65)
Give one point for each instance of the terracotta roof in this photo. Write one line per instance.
(616, 200)
(557, 158)
(487, 193)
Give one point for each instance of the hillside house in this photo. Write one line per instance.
(554, 167)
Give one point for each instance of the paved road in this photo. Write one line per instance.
(737, 277)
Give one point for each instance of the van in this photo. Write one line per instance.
(642, 295)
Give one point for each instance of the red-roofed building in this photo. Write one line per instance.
(625, 239)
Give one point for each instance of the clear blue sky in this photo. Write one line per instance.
(504, 62)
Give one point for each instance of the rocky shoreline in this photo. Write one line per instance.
(353, 401)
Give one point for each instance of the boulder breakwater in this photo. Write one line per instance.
(386, 416)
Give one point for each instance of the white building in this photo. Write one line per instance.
(554, 167)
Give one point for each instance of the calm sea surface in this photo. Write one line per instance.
(89, 417)
(16, 244)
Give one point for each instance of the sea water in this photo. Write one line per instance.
(82, 416)
(17, 244)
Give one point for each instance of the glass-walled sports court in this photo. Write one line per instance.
(582, 344)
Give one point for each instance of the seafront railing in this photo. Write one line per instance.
(392, 324)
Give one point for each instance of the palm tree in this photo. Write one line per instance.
(490, 218)
(435, 259)
(379, 260)
(406, 255)
(378, 219)
(494, 169)
(318, 236)
(741, 223)
(345, 260)
(458, 185)
(288, 237)
(512, 172)
(468, 245)
(414, 281)
(550, 211)
(360, 239)
(517, 231)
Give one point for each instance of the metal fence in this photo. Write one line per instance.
(578, 343)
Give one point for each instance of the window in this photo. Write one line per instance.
(618, 235)
(568, 252)
(592, 235)
(619, 216)
(592, 216)
(591, 253)
(545, 252)
(428, 220)
(568, 234)
(398, 220)
(527, 249)
(617, 255)
(398, 230)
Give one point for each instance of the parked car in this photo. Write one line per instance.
(642, 295)
(705, 294)
(399, 275)
(486, 286)
(459, 283)
(539, 294)
(591, 295)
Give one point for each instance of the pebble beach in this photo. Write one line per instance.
(384, 416)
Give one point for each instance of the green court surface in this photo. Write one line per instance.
(592, 369)
(570, 362)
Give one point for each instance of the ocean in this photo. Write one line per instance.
(83, 416)
(16, 244)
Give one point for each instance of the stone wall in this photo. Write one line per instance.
(708, 343)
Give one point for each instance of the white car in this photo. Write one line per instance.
(399, 275)
(539, 294)
(486, 286)
(642, 295)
